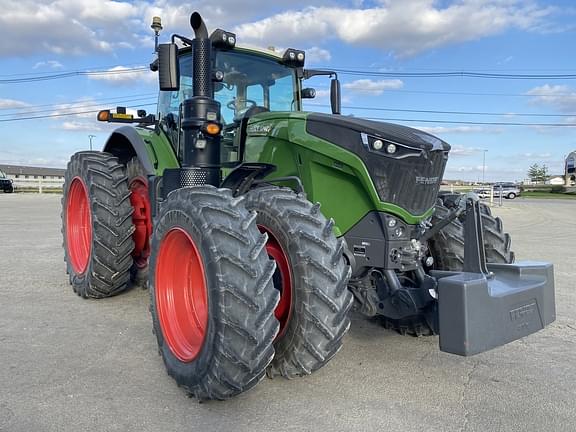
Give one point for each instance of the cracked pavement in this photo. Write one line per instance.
(68, 364)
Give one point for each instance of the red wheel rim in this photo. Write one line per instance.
(78, 225)
(282, 279)
(141, 217)
(181, 295)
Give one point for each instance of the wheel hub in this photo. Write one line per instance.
(181, 295)
(78, 225)
(282, 279)
(141, 217)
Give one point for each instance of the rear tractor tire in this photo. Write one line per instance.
(311, 277)
(211, 291)
(97, 225)
(141, 218)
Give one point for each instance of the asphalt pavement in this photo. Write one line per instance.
(68, 364)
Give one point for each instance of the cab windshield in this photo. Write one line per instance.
(2, 174)
(249, 80)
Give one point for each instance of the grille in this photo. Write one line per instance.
(410, 183)
(176, 178)
(193, 177)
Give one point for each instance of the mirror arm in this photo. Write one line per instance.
(309, 73)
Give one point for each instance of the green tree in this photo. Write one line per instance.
(537, 173)
(543, 174)
(534, 172)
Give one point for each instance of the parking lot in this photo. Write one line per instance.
(68, 364)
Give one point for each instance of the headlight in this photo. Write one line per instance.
(388, 148)
(293, 58)
(223, 39)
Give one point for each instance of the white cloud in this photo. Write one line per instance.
(405, 27)
(80, 126)
(373, 87)
(538, 156)
(73, 27)
(79, 116)
(122, 75)
(12, 104)
(51, 64)
(439, 130)
(468, 169)
(80, 27)
(85, 120)
(559, 97)
(458, 150)
(317, 55)
(323, 93)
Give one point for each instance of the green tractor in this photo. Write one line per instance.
(257, 226)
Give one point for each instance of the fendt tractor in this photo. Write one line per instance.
(257, 226)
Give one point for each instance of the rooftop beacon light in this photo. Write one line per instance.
(156, 26)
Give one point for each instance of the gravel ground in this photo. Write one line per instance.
(68, 364)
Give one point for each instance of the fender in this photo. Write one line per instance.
(150, 146)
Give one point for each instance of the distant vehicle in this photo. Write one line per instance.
(6, 183)
(509, 191)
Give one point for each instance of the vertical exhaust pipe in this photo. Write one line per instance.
(202, 48)
(201, 150)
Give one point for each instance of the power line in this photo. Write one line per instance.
(353, 72)
(458, 74)
(75, 107)
(368, 118)
(108, 99)
(482, 113)
(64, 114)
(431, 69)
(437, 92)
(71, 75)
(88, 68)
(474, 123)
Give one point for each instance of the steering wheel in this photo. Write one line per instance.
(232, 106)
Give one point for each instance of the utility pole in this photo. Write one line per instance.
(483, 165)
(90, 138)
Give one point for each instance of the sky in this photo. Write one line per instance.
(523, 113)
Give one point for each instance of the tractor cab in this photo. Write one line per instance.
(240, 81)
(252, 81)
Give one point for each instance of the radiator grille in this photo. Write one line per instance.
(410, 183)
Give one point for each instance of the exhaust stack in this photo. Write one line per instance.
(202, 48)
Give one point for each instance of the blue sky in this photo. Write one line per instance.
(369, 36)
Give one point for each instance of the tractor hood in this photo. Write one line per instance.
(390, 132)
(406, 165)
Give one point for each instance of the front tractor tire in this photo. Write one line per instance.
(447, 249)
(212, 298)
(97, 225)
(311, 277)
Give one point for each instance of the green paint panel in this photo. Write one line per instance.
(159, 150)
(331, 175)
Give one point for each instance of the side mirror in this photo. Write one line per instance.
(168, 68)
(308, 93)
(335, 96)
